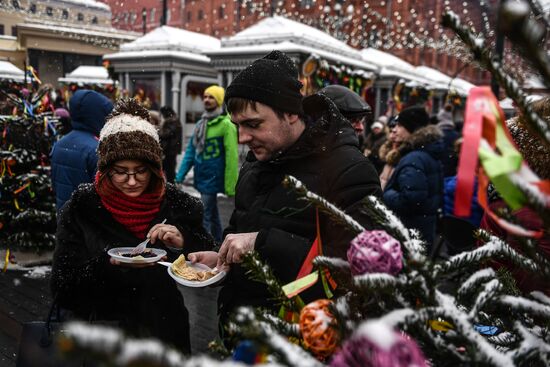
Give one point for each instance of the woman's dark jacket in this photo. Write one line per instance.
(415, 189)
(170, 136)
(326, 159)
(145, 301)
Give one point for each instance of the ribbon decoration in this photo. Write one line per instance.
(6, 261)
(485, 132)
(306, 278)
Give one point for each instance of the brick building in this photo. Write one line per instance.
(396, 26)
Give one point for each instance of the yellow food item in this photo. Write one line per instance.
(182, 270)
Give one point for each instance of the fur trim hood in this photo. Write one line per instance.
(428, 138)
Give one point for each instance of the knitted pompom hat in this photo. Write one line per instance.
(128, 134)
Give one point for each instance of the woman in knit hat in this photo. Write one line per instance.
(126, 204)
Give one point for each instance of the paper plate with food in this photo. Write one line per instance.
(124, 255)
(194, 274)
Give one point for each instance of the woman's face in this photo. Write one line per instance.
(131, 177)
(401, 134)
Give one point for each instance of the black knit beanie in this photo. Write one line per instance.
(413, 118)
(271, 80)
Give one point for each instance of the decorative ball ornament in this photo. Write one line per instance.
(379, 346)
(375, 252)
(317, 325)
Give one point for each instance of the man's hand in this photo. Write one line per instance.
(208, 258)
(234, 246)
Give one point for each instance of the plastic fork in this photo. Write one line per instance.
(141, 247)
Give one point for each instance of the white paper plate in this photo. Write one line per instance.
(196, 284)
(116, 252)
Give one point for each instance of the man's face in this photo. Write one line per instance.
(263, 131)
(358, 125)
(209, 102)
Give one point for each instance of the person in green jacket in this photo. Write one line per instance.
(213, 153)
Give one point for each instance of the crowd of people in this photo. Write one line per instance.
(114, 178)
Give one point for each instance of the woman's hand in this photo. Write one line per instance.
(167, 233)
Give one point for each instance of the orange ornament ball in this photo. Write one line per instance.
(318, 328)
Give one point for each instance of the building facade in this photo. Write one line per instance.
(408, 29)
(57, 36)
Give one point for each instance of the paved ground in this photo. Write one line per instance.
(25, 299)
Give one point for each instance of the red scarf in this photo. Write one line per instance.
(136, 213)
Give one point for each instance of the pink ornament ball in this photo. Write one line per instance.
(361, 351)
(375, 252)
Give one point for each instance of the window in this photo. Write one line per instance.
(306, 4)
(221, 12)
(80, 17)
(168, 16)
(15, 4)
(14, 31)
(65, 14)
(32, 8)
(94, 20)
(201, 15)
(1, 29)
(49, 11)
(189, 16)
(152, 15)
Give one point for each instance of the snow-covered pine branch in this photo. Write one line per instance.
(513, 90)
(474, 279)
(494, 248)
(539, 13)
(252, 328)
(526, 305)
(526, 34)
(414, 248)
(490, 290)
(287, 328)
(531, 347)
(261, 272)
(333, 263)
(105, 344)
(541, 297)
(335, 213)
(376, 281)
(485, 352)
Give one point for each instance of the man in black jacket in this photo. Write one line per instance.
(287, 135)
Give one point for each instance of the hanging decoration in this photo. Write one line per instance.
(409, 93)
(318, 73)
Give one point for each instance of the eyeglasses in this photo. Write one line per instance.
(122, 176)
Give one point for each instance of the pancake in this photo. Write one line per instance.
(182, 270)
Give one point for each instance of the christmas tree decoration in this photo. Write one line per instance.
(375, 252)
(27, 205)
(375, 345)
(318, 328)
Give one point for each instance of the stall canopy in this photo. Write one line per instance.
(10, 72)
(86, 75)
(441, 81)
(289, 36)
(391, 65)
(170, 42)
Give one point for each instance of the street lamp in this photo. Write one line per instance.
(144, 20)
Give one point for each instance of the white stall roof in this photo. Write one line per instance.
(87, 75)
(168, 41)
(280, 33)
(90, 4)
(11, 72)
(391, 65)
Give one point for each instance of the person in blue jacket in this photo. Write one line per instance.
(415, 189)
(74, 157)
